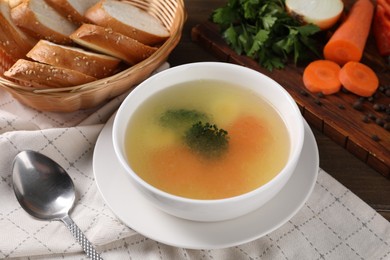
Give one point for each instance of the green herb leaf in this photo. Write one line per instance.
(225, 16)
(308, 29)
(258, 42)
(263, 30)
(268, 21)
(231, 38)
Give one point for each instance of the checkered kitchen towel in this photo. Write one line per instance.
(333, 224)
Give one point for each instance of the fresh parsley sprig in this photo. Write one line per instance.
(264, 31)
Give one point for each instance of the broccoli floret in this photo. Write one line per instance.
(198, 134)
(207, 140)
(181, 119)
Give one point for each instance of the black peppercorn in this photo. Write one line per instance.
(371, 116)
(358, 105)
(366, 119)
(303, 93)
(380, 121)
(378, 107)
(388, 111)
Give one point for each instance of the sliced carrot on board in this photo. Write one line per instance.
(348, 41)
(322, 76)
(359, 79)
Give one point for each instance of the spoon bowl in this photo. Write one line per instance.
(46, 191)
(42, 187)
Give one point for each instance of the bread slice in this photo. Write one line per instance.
(6, 61)
(42, 75)
(13, 41)
(41, 21)
(129, 20)
(73, 9)
(13, 3)
(90, 63)
(105, 40)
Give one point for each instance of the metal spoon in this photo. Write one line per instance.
(45, 190)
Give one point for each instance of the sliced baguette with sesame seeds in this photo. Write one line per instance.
(41, 21)
(6, 61)
(105, 40)
(41, 75)
(73, 9)
(127, 19)
(13, 41)
(90, 63)
(13, 3)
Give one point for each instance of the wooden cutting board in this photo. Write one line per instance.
(334, 115)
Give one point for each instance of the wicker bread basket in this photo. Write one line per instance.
(172, 15)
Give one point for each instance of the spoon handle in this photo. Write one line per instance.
(88, 248)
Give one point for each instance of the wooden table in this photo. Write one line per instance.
(361, 179)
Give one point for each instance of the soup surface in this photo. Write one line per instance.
(206, 140)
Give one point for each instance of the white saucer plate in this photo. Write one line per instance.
(136, 212)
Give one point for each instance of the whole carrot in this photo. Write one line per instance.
(381, 29)
(348, 41)
(385, 4)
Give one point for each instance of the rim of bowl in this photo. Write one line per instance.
(290, 163)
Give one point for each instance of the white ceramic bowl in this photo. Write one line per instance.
(220, 209)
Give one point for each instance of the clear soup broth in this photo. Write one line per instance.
(164, 151)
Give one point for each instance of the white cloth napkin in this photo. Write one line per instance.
(333, 224)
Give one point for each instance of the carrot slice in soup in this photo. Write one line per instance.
(359, 79)
(348, 41)
(322, 76)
